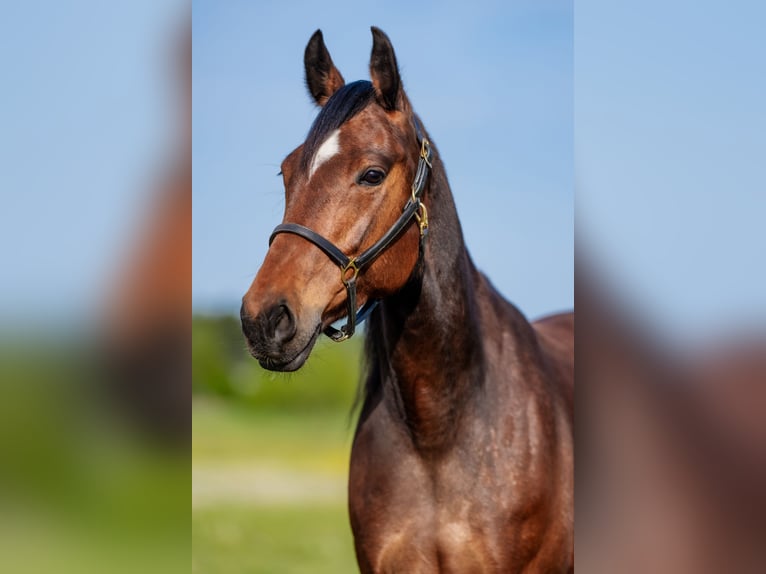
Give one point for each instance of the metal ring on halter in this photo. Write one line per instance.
(344, 269)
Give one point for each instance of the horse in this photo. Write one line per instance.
(462, 458)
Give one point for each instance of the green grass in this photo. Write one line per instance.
(272, 540)
(224, 432)
(269, 492)
(270, 457)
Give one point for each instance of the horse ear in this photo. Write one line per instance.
(322, 77)
(385, 73)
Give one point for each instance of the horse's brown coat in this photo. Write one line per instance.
(463, 456)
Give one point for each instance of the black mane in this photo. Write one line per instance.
(341, 107)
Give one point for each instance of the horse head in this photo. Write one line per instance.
(351, 188)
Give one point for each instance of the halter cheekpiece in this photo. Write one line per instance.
(350, 267)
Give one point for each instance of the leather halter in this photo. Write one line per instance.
(351, 266)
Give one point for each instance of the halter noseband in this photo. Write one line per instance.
(351, 266)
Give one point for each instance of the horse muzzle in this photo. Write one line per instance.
(274, 338)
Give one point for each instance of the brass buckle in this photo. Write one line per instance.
(350, 266)
(425, 147)
(422, 218)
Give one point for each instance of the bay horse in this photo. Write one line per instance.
(463, 457)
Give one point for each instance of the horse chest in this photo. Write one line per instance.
(479, 510)
(423, 547)
(408, 518)
(422, 536)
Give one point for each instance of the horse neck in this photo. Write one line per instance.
(425, 342)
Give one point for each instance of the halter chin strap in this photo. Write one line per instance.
(351, 266)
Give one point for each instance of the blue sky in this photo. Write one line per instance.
(491, 80)
(87, 121)
(670, 147)
(669, 132)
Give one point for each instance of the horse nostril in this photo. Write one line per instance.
(272, 328)
(282, 323)
(248, 323)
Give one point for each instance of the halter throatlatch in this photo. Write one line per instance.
(350, 267)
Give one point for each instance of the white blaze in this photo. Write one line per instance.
(329, 148)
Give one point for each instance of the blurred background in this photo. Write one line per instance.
(670, 135)
(492, 82)
(95, 245)
(656, 112)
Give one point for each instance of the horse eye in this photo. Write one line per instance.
(372, 177)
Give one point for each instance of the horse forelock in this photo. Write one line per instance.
(341, 107)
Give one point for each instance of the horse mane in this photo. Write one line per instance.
(370, 389)
(341, 107)
(370, 386)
